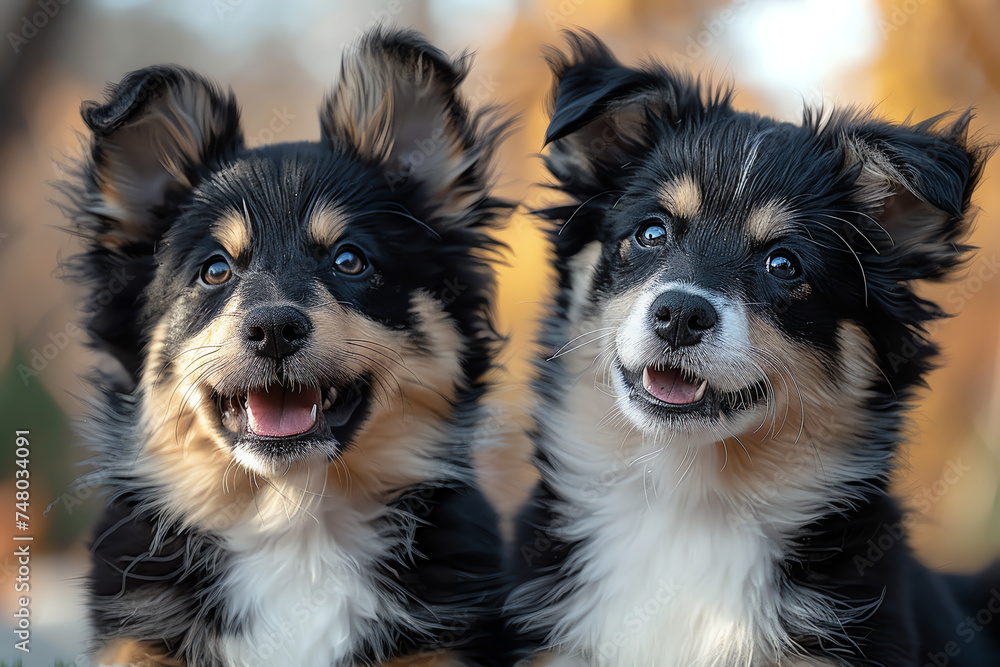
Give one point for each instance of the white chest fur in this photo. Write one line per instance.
(303, 586)
(668, 583)
(674, 569)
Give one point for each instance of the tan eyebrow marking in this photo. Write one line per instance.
(768, 221)
(681, 197)
(326, 225)
(233, 232)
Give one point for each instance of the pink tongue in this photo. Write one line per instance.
(668, 386)
(278, 412)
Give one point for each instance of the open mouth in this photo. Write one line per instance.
(671, 387)
(277, 416)
(670, 390)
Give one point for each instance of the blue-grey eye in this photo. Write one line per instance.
(652, 232)
(783, 264)
(216, 270)
(350, 261)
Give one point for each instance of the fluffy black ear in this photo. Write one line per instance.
(154, 138)
(397, 104)
(916, 181)
(603, 113)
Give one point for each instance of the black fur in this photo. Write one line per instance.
(616, 134)
(165, 163)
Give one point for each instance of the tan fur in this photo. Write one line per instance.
(582, 268)
(604, 139)
(551, 659)
(427, 660)
(809, 415)
(877, 173)
(234, 233)
(178, 125)
(403, 114)
(681, 197)
(622, 305)
(802, 291)
(185, 449)
(401, 436)
(326, 226)
(768, 222)
(134, 654)
(586, 336)
(893, 201)
(188, 451)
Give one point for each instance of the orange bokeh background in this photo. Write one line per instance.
(922, 57)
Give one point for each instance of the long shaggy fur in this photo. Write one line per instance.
(734, 526)
(364, 538)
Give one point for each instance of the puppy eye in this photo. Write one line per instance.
(783, 264)
(652, 232)
(350, 261)
(216, 270)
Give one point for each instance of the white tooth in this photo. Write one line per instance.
(314, 413)
(701, 390)
(646, 382)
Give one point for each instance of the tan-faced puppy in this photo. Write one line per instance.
(300, 348)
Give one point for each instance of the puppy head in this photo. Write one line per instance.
(743, 267)
(289, 303)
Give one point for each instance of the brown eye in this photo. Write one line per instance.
(350, 261)
(216, 270)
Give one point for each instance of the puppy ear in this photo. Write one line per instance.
(397, 104)
(603, 113)
(917, 181)
(154, 138)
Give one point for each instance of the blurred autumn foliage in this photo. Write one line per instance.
(925, 57)
(942, 56)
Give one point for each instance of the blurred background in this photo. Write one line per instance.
(906, 57)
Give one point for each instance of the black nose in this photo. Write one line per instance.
(275, 331)
(680, 318)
